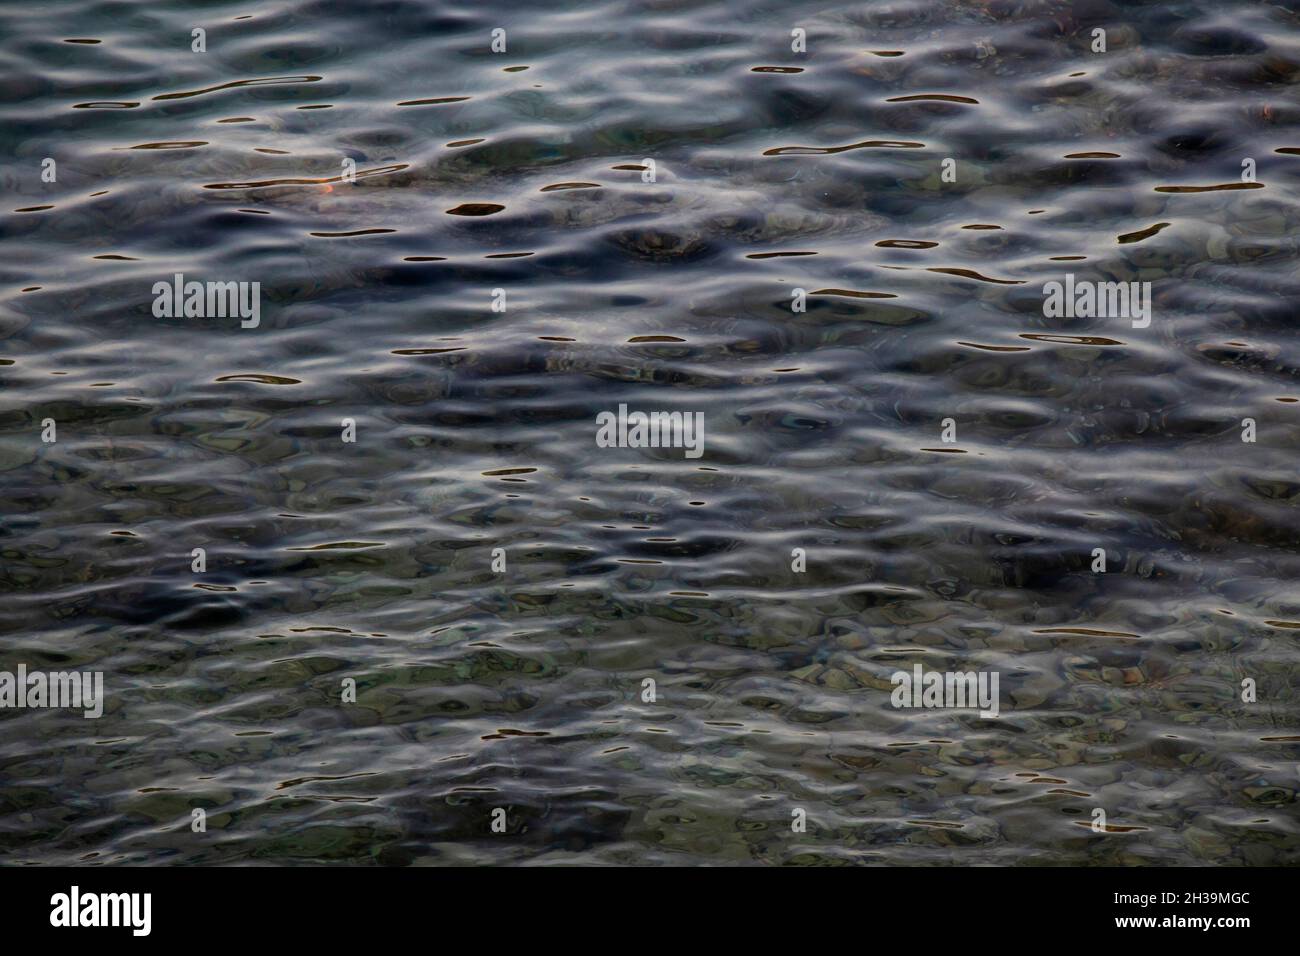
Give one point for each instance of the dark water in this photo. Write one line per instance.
(523, 690)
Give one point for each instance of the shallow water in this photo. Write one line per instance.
(523, 690)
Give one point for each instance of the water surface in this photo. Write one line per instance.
(525, 171)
